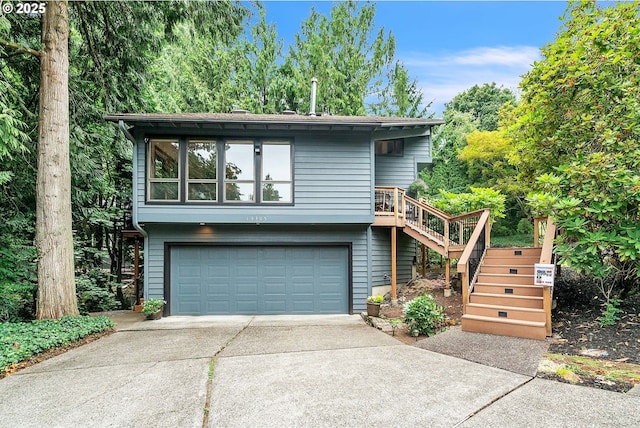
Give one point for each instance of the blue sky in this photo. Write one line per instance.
(449, 46)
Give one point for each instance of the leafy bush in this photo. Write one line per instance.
(610, 313)
(20, 340)
(18, 276)
(525, 227)
(92, 290)
(479, 198)
(152, 306)
(511, 240)
(424, 314)
(17, 302)
(375, 299)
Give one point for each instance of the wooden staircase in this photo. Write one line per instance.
(504, 299)
(498, 291)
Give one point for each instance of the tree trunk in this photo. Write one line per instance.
(54, 239)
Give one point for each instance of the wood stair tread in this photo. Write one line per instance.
(503, 308)
(508, 296)
(540, 324)
(498, 284)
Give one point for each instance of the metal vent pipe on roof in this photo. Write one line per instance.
(314, 85)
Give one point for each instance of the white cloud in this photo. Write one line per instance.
(441, 76)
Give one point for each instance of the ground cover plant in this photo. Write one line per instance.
(21, 340)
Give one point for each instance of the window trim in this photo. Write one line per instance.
(263, 181)
(189, 181)
(151, 180)
(183, 181)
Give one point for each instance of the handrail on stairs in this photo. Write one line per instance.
(435, 224)
(546, 257)
(475, 249)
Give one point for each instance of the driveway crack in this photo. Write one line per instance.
(212, 362)
(469, 416)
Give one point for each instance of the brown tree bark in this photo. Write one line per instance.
(54, 239)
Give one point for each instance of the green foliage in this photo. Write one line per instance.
(483, 103)
(152, 306)
(610, 313)
(17, 301)
(375, 299)
(510, 240)
(576, 135)
(401, 97)
(448, 171)
(347, 55)
(93, 290)
(20, 340)
(424, 314)
(525, 227)
(479, 198)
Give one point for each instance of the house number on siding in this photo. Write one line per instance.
(256, 218)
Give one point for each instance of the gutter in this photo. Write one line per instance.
(134, 205)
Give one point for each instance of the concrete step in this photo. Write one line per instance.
(508, 289)
(514, 252)
(504, 327)
(508, 269)
(509, 312)
(513, 300)
(505, 278)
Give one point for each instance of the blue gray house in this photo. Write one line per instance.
(272, 214)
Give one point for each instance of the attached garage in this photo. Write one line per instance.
(206, 279)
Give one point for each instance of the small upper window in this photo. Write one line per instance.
(164, 171)
(390, 147)
(202, 171)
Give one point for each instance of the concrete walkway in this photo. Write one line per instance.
(286, 371)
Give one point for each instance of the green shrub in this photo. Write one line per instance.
(424, 314)
(524, 227)
(610, 313)
(17, 301)
(21, 340)
(94, 295)
(152, 306)
(375, 299)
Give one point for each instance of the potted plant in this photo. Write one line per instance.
(152, 308)
(373, 305)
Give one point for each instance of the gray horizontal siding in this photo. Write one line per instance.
(381, 256)
(238, 234)
(401, 171)
(332, 184)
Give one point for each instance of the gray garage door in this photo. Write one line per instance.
(259, 280)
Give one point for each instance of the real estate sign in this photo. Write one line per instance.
(543, 274)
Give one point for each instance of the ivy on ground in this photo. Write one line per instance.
(21, 340)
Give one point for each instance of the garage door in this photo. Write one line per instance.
(259, 280)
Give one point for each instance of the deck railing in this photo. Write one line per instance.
(472, 256)
(442, 228)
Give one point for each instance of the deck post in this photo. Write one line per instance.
(394, 297)
(423, 250)
(447, 277)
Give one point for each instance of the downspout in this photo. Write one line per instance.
(134, 205)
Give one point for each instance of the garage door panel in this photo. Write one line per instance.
(259, 280)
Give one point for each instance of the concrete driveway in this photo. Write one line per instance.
(286, 371)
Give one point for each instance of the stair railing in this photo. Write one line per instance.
(546, 257)
(427, 219)
(436, 224)
(472, 256)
